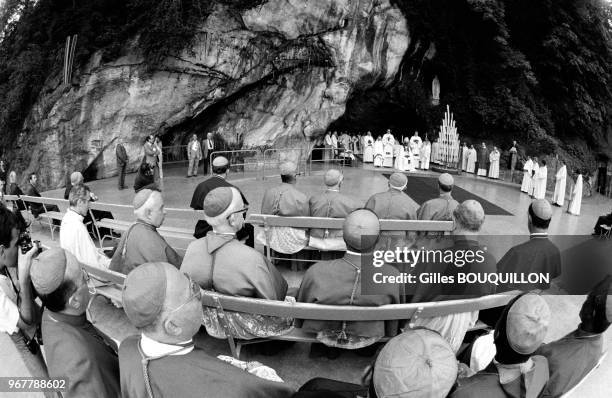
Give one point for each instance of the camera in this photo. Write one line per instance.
(25, 242)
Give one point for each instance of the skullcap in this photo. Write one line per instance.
(142, 196)
(144, 293)
(541, 209)
(48, 270)
(361, 229)
(398, 180)
(217, 201)
(527, 323)
(416, 363)
(220, 161)
(288, 168)
(446, 179)
(332, 177)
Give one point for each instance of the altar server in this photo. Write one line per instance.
(465, 151)
(526, 185)
(471, 160)
(368, 148)
(559, 194)
(576, 196)
(494, 167)
(540, 180)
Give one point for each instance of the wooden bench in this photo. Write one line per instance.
(47, 217)
(268, 221)
(110, 285)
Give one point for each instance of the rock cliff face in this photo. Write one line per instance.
(275, 75)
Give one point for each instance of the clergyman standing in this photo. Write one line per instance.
(122, 161)
(208, 145)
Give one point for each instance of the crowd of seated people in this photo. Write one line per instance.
(162, 292)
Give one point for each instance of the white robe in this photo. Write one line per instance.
(328, 152)
(425, 155)
(464, 158)
(388, 139)
(534, 173)
(403, 161)
(576, 197)
(435, 148)
(559, 195)
(378, 153)
(541, 178)
(494, 166)
(526, 185)
(368, 149)
(388, 155)
(471, 161)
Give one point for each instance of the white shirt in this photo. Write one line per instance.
(9, 312)
(153, 348)
(194, 146)
(75, 239)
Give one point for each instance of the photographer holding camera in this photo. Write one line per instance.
(19, 314)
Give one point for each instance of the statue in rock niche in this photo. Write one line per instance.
(435, 91)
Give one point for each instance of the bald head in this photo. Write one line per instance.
(469, 217)
(360, 230)
(540, 214)
(333, 178)
(76, 178)
(149, 207)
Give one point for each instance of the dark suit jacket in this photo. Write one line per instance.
(205, 148)
(36, 208)
(122, 157)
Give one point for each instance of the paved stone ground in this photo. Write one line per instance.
(360, 182)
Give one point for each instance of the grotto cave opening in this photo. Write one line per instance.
(376, 110)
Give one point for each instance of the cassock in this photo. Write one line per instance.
(526, 185)
(537, 255)
(392, 204)
(388, 155)
(494, 167)
(438, 209)
(225, 265)
(465, 151)
(378, 153)
(559, 194)
(483, 156)
(570, 359)
(368, 149)
(194, 374)
(513, 158)
(331, 204)
(332, 282)
(140, 244)
(74, 350)
(488, 383)
(576, 197)
(284, 200)
(197, 200)
(540, 181)
(534, 171)
(471, 160)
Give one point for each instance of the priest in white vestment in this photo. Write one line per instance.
(334, 138)
(388, 154)
(576, 196)
(378, 152)
(494, 163)
(368, 148)
(415, 147)
(559, 194)
(464, 157)
(388, 138)
(527, 167)
(534, 170)
(425, 154)
(471, 160)
(541, 178)
(328, 152)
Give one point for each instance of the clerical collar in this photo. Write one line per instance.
(152, 348)
(352, 253)
(219, 176)
(539, 235)
(333, 189)
(508, 373)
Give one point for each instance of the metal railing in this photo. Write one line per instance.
(240, 160)
(174, 154)
(328, 158)
(272, 158)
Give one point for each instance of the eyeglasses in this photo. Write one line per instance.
(241, 211)
(196, 293)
